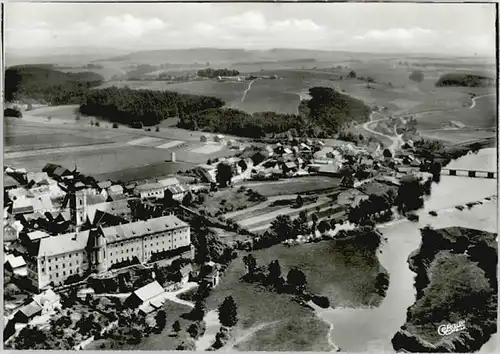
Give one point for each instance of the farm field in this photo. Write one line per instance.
(482, 115)
(47, 140)
(292, 186)
(457, 136)
(104, 152)
(282, 95)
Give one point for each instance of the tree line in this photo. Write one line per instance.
(213, 73)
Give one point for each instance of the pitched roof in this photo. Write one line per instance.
(291, 164)
(9, 182)
(116, 188)
(31, 309)
(61, 171)
(95, 199)
(176, 189)
(42, 202)
(117, 207)
(104, 184)
(37, 177)
(148, 186)
(48, 296)
(168, 182)
(16, 262)
(70, 242)
(138, 228)
(157, 302)
(117, 196)
(37, 235)
(149, 291)
(146, 308)
(22, 205)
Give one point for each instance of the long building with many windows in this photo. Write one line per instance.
(56, 258)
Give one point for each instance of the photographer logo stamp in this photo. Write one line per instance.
(449, 328)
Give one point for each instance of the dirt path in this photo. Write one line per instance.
(212, 327)
(475, 98)
(247, 334)
(246, 91)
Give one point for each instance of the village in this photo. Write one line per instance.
(76, 246)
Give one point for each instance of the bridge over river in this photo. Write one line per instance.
(468, 173)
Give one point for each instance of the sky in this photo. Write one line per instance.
(456, 29)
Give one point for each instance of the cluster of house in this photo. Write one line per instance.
(41, 304)
(87, 227)
(151, 297)
(163, 188)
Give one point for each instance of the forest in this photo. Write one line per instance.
(43, 84)
(465, 80)
(127, 106)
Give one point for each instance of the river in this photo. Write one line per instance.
(358, 330)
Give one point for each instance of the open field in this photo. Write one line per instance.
(343, 273)
(482, 115)
(101, 151)
(457, 136)
(47, 140)
(285, 325)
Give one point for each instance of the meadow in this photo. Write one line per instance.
(267, 320)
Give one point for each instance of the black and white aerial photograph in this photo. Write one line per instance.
(295, 177)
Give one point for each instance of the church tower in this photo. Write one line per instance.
(78, 205)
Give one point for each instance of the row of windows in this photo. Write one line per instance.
(56, 275)
(76, 254)
(63, 265)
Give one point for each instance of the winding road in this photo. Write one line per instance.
(397, 140)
